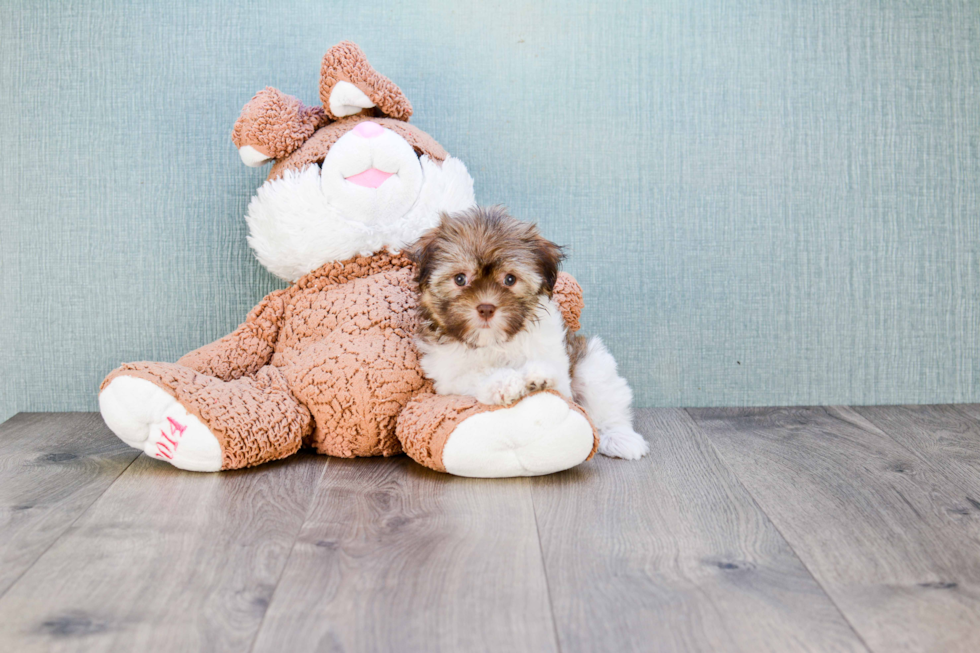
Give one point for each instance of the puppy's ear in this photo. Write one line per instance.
(549, 257)
(423, 253)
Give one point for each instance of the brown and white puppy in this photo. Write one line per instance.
(482, 275)
(490, 330)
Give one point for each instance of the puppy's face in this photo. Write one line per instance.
(481, 274)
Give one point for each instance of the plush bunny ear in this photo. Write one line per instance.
(348, 85)
(273, 125)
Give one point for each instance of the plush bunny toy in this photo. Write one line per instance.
(330, 362)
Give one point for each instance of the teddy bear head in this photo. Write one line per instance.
(349, 178)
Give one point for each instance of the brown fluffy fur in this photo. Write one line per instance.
(486, 244)
(576, 346)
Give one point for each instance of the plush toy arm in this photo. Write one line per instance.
(568, 296)
(246, 349)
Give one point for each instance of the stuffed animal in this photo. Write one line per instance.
(330, 362)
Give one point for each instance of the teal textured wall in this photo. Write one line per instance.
(767, 202)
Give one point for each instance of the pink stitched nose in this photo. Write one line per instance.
(368, 129)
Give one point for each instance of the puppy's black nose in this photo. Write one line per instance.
(486, 311)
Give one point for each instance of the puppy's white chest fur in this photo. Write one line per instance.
(499, 373)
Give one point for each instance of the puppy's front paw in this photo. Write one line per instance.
(503, 388)
(623, 442)
(538, 377)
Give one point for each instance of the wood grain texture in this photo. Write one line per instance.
(670, 553)
(973, 410)
(946, 438)
(52, 468)
(165, 560)
(806, 529)
(886, 536)
(395, 557)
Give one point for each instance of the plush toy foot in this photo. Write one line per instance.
(622, 442)
(541, 434)
(148, 418)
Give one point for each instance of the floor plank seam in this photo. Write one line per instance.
(544, 570)
(830, 597)
(915, 454)
(285, 564)
(68, 527)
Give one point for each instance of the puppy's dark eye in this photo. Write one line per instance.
(460, 279)
(510, 280)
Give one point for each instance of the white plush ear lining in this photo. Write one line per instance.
(346, 100)
(252, 157)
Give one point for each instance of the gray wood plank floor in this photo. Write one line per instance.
(763, 529)
(396, 557)
(671, 553)
(878, 527)
(52, 468)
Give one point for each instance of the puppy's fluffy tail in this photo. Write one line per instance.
(607, 398)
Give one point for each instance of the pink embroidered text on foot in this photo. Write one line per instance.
(176, 430)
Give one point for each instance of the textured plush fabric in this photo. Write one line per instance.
(276, 123)
(426, 423)
(248, 348)
(765, 201)
(328, 363)
(345, 62)
(255, 418)
(568, 296)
